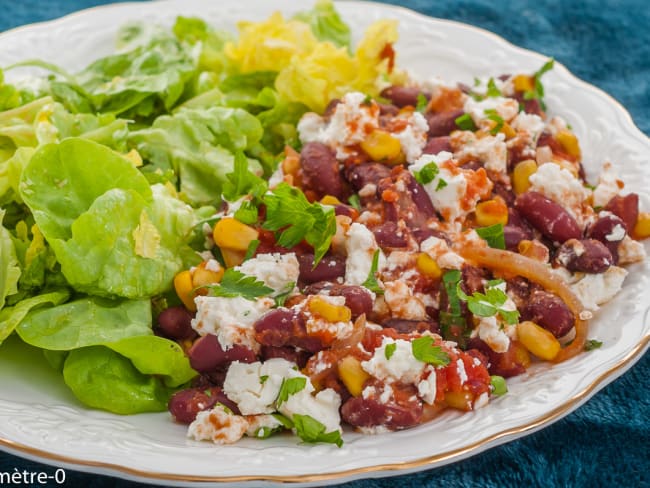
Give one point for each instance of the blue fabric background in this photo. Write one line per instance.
(606, 441)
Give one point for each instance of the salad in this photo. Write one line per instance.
(279, 231)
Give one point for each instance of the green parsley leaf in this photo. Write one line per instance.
(252, 247)
(286, 421)
(236, 284)
(208, 393)
(465, 122)
(424, 350)
(592, 344)
(311, 430)
(453, 326)
(355, 202)
(422, 103)
(224, 407)
(290, 386)
(499, 386)
(493, 235)
(288, 211)
(441, 184)
(242, 181)
(547, 66)
(489, 303)
(281, 297)
(427, 174)
(247, 213)
(477, 81)
(265, 432)
(492, 90)
(263, 378)
(493, 115)
(538, 92)
(371, 281)
(389, 350)
(367, 100)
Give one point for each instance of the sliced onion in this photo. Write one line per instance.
(355, 337)
(516, 264)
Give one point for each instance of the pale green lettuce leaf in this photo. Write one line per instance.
(326, 23)
(9, 266)
(10, 317)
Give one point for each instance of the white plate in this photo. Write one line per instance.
(41, 420)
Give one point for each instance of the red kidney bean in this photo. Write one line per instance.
(357, 299)
(404, 326)
(499, 363)
(275, 328)
(474, 278)
(176, 323)
(419, 197)
(388, 110)
(360, 175)
(389, 234)
(286, 352)
(331, 106)
(184, 405)
(548, 217)
(206, 354)
(548, 311)
(513, 236)
(362, 412)
(436, 145)
(320, 170)
(605, 230)
(626, 208)
(505, 192)
(443, 123)
(402, 96)
(586, 255)
(530, 106)
(328, 269)
(347, 210)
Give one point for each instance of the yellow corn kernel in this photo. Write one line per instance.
(491, 212)
(569, 142)
(202, 276)
(523, 83)
(523, 170)
(381, 145)
(460, 400)
(352, 375)
(232, 258)
(134, 156)
(230, 233)
(428, 266)
(508, 130)
(330, 200)
(330, 312)
(538, 340)
(185, 289)
(521, 354)
(642, 226)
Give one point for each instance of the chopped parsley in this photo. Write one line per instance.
(289, 213)
(371, 282)
(389, 350)
(537, 93)
(465, 122)
(242, 181)
(264, 378)
(237, 284)
(441, 184)
(424, 350)
(592, 344)
(355, 202)
(498, 384)
(247, 213)
(290, 386)
(285, 421)
(252, 247)
(493, 115)
(281, 297)
(427, 174)
(493, 235)
(489, 303)
(266, 432)
(311, 430)
(492, 89)
(422, 103)
(452, 321)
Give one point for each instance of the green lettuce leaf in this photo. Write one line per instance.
(9, 268)
(10, 317)
(193, 31)
(103, 379)
(326, 24)
(85, 322)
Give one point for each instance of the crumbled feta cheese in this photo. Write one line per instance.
(531, 123)
(543, 155)
(506, 108)
(491, 332)
(556, 124)
(630, 251)
(481, 401)
(561, 186)
(402, 302)
(213, 265)
(276, 270)
(597, 288)
(360, 245)
(368, 190)
(258, 423)
(616, 234)
(277, 177)
(608, 186)
(413, 137)
(490, 150)
(231, 319)
(255, 386)
(218, 425)
(438, 249)
(402, 365)
(427, 388)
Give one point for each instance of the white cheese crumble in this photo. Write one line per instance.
(506, 108)
(595, 289)
(402, 302)
(439, 250)
(427, 387)
(608, 186)
(462, 374)
(217, 425)
(402, 365)
(231, 319)
(490, 150)
(495, 334)
(561, 186)
(276, 270)
(630, 251)
(413, 137)
(255, 386)
(616, 234)
(530, 123)
(360, 245)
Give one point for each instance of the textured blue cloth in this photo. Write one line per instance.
(605, 442)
